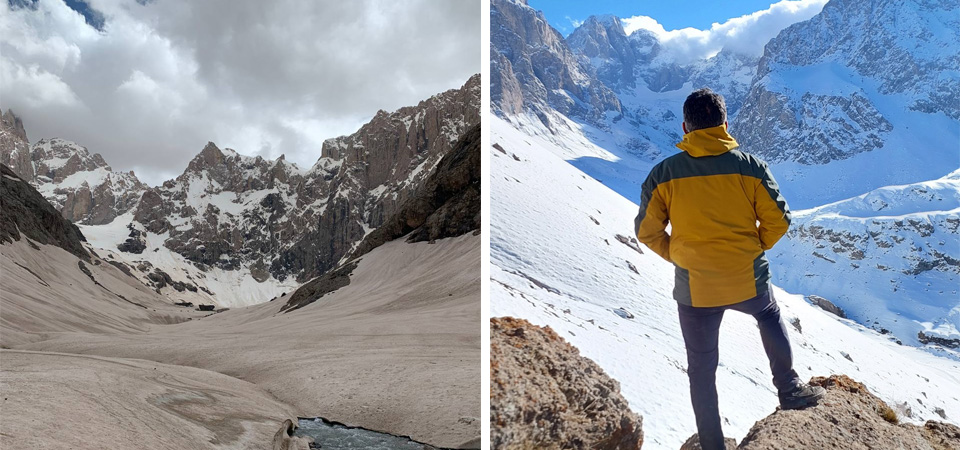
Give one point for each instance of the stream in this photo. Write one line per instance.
(336, 436)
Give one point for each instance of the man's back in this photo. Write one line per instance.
(713, 196)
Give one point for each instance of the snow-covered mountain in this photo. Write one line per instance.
(837, 119)
(79, 184)
(890, 259)
(562, 255)
(861, 96)
(236, 230)
(532, 69)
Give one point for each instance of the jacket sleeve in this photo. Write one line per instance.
(772, 211)
(651, 223)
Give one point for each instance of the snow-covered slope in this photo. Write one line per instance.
(861, 96)
(558, 261)
(889, 258)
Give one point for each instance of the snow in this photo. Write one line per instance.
(231, 288)
(902, 279)
(553, 265)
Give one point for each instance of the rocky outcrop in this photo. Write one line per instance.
(933, 339)
(849, 417)
(23, 211)
(809, 129)
(320, 286)
(543, 394)
(447, 205)
(826, 305)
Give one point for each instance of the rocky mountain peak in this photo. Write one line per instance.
(876, 64)
(533, 68)
(907, 45)
(57, 159)
(209, 157)
(14, 146)
(11, 122)
(81, 185)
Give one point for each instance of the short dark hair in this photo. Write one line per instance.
(704, 109)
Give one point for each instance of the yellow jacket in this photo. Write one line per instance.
(714, 197)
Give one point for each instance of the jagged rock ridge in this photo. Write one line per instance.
(230, 217)
(902, 51)
(79, 184)
(531, 67)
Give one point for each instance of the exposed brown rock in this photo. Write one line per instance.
(543, 394)
(849, 417)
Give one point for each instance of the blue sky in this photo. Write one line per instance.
(689, 30)
(672, 15)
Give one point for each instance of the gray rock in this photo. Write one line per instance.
(826, 305)
(24, 212)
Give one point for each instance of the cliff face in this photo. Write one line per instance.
(447, 205)
(532, 68)
(26, 213)
(543, 394)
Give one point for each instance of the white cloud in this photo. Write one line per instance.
(267, 78)
(576, 23)
(34, 86)
(746, 34)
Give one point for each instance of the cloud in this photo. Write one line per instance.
(746, 34)
(576, 23)
(265, 78)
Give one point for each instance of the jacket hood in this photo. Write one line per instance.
(708, 142)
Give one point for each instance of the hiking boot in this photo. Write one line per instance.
(802, 396)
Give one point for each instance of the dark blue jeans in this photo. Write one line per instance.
(701, 329)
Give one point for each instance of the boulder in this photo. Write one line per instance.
(826, 305)
(543, 394)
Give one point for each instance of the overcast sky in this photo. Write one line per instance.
(147, 83)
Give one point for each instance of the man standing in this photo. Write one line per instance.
(725, 210)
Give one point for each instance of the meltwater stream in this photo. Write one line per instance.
(335, 436)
